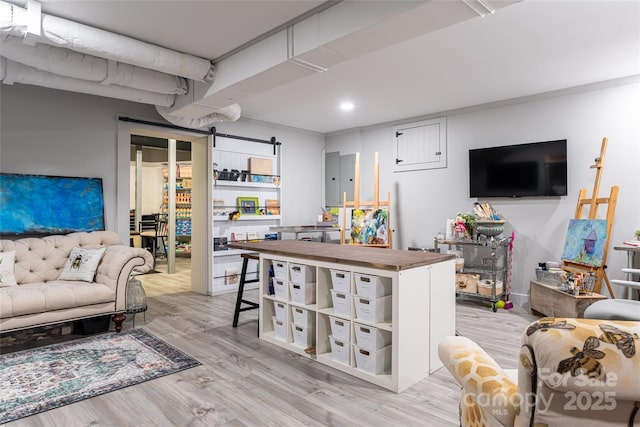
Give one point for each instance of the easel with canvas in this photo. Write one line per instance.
(377, 206)
(594, 202)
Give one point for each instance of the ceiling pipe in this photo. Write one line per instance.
(99, 63)
(229, 113)
(82, 38)
(76, 65)
(16, 72)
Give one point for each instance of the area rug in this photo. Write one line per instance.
(41, 379)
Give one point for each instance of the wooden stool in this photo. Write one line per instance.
(239, 301)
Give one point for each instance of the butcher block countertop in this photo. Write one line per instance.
(385, 259)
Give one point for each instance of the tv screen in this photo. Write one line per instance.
(522, 170)
(38, 204)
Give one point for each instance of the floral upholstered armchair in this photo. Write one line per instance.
(571, 372)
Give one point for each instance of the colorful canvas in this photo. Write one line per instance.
(36, 204)
(586, 240)
(369, 227)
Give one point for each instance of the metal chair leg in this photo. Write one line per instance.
(236, 314)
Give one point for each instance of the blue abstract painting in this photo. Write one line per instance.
(586, 239)
(37, 204)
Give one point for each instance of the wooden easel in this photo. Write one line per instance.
(594, 203)
(375, 204)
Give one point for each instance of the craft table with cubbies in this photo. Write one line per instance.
(377, 314)
(486, 257)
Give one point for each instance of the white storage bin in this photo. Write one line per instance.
(340, 329)
(369, 286)
(301, 274)
(303, 317)
(341, 280)
(303, 293)
(281, 288)
(280, 329)
(373, 310)
(303, 336)
(281, 312)
(280, 271)
(371, 338)
(341, 302)
(339, 350)
(373, 361)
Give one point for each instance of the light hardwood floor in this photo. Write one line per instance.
(245, 382)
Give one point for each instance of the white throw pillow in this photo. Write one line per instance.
(7, 262)
(82, 264)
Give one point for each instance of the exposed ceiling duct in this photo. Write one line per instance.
(60, 32)
(20, 73)
(67, 63)
(97, 62)
(229, 113)
(343, 32)
(188, 91)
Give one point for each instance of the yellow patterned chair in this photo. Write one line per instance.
(571, 372)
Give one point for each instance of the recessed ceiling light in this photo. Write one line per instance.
(346, 106)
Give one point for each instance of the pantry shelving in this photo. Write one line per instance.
(182, 203)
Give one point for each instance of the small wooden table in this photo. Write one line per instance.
(551, 301)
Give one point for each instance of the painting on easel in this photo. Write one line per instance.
(586, 241)
(369, 227)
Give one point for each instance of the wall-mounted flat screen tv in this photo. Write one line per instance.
(537, 169)
(38, 204)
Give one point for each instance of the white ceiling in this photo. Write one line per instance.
(523, 49)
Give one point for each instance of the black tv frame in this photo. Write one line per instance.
(535, 169)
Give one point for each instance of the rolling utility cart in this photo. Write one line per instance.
(484, 273)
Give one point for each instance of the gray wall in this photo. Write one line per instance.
(50, 132)
(423, 200)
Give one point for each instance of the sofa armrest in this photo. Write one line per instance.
(116, 266)
(117, 256)
(486, 386)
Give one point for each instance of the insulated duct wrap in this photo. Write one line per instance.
(96, 42)
(229, 113)
(92, 41)
(75, 57)
(86, 67)
(16, 72)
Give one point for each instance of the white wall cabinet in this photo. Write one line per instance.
(235, 156)
(419, 312)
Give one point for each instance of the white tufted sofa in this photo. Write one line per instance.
(41, 299)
